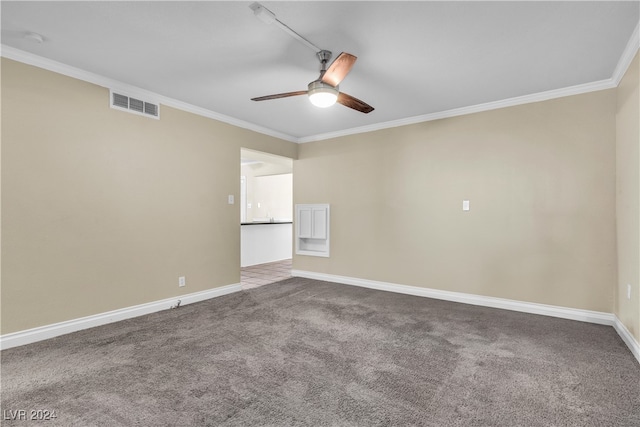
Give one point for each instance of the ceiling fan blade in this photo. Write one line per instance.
(279, 95)
(338, 69)
(355, 103)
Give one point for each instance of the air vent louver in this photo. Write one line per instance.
(134, 105)
(120, 101)
(150, 109)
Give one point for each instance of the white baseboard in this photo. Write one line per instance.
(506, 304)
(49, 331)
(628, 339)
(588, 316)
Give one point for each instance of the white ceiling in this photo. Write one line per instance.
(414, 58)
(265, 163)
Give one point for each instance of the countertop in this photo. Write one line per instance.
(266, 222)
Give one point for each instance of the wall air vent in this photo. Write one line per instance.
(134, 105)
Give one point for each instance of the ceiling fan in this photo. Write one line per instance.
(324, 91)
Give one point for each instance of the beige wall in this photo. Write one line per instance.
(541, 181)
(102, 209)
(628, 198)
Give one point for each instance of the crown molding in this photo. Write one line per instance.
(627, 55)
(623, 64)
(494, 105)
(180, 105)
(77, 73)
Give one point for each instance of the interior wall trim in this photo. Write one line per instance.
(50, 331)
(588, 316)
(627, 55)
(628, 339)
(86, 76)
(623, 64)
(495, 105)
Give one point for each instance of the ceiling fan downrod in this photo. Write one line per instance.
(324, 56)
(268, 17)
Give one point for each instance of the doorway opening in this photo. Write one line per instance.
(266, 218)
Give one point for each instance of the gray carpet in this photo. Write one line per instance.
(308, 353)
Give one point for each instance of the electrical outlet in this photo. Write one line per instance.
(628, 291)
(182, 281)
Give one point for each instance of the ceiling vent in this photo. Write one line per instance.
(134, 105)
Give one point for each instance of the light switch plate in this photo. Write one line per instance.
(231, 199)
(465, 205)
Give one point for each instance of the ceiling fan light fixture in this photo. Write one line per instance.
(321, 94)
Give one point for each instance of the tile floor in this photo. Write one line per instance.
(263, 274)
